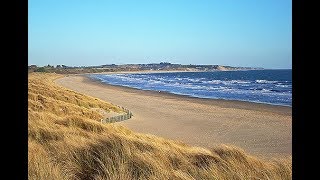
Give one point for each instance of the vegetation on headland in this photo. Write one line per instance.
(67, 141)
(163, 66)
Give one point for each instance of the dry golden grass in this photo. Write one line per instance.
(67, 141)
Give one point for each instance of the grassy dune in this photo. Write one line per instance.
(67, 141)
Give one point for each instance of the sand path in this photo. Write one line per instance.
(262, 130)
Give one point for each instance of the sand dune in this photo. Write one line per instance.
(262, 130)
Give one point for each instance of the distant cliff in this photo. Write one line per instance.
(163, 66)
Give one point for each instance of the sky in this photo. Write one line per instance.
(247, 33)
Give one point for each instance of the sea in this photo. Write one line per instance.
(260, 86)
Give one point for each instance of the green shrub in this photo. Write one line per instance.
(41, 69)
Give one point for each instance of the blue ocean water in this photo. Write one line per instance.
(263, 86)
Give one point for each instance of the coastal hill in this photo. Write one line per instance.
(163, 66)
(67, 141)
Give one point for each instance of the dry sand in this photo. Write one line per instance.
(260, 129)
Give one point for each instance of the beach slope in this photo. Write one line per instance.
(260, 129)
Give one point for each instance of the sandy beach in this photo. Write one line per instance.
(260, 129)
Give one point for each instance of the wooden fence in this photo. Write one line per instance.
(118, 118)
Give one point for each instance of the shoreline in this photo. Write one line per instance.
(167, 71)
(225, 103)
(260, 129)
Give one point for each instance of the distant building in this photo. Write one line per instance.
(33, 67)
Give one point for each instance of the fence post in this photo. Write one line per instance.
(127, 115)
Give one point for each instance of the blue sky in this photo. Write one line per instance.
(255, 33)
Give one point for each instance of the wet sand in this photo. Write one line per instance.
(260, 129)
